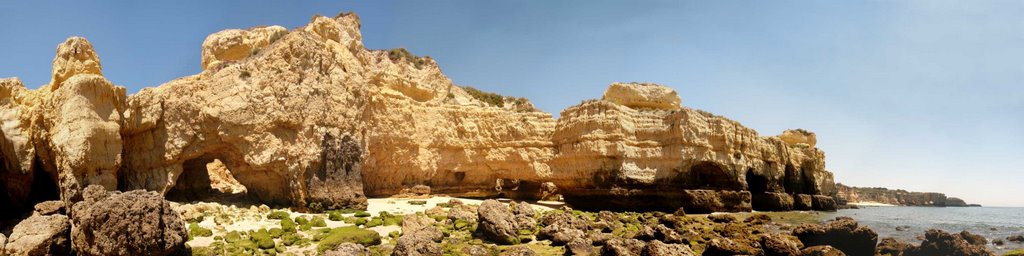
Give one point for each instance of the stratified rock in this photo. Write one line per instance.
(803, 202)
(130, 223)
(347, 249)
(849, 194)
(497, 223)
(938, 242)
(844, 234)
(40, 235)
(799, 136)
(823, 250)
(657, 248)
(772, 201)
(637, 149)
(823, 203)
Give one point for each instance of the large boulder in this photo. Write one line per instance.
(938, 242)
(772, 201)
(131, 223)
(844, 234)
(497, 223)
(780, 245)
(642, 95)
(40, 235)
(823, 203)
(419, 237)
(891, 246)
(803, 202)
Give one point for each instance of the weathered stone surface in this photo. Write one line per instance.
(938, 242)
(843, 233)
(823, 250)
(803, 202)
(771, 201)
(780, 245)
(726, 246)
(623, 247)
(337, 182)
(657, 248)
(823, 203)
(237, 44)
(50, 207)
(891, 246)
(642, 95)
(130, 223)
(799, 136)
(517, 251)
(40, 235)
(497, 223)
(582, 246)
(347, 249)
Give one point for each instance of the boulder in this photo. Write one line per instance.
(657, 248)
(420, 189)
(823, 250)
(726, 246)
(891, 246)
(803, 202)
(973, 239)
(823, 203)
(708, 201)
(623, 247)
(131, 223)
(772, 202)
(582, 246)
(642, 95)
(497, 223)
(347, 249)
(843, 233)
(50, 208)
(938, 242)
(780, 245)
(517, 251)
(419, 237)
(40, 235)
(1016, 238)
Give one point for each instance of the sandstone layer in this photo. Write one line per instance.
(846, 194)
(311, 118)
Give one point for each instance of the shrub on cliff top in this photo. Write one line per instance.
(490, 98)
(403, 54)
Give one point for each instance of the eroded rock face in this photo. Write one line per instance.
(844, 234)
(938, 242)
(130, 223)
(848, 194)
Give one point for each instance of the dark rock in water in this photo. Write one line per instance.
(580, 246)
(998, 241)
(770, 201)
(844, 234)
(517, 251)
(780, 245)
(347, 249)
(892, 247)
(902, 228)
(50, 207)
(336, 182)
(419, 237)
(1016, 238)
(623, 247)
(722, 218)
(136, 222)
(497, 223)
(726, 246)
(973, 239)
(40, 235)
(938, 242)
(823, 250)
(657, 248)
(758, 219)
(803, 202)
(823, 203)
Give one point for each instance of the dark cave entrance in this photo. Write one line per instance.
(797, 181)
(708, 175)
(206, 178)
(756, 184)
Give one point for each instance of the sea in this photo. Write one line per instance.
(908, 224)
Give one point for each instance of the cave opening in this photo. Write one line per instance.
(792, 183)
(708, 175)
(756, 184)
(207, 178)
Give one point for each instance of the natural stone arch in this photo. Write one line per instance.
(206, 178)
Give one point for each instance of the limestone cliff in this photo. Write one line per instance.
(310, 117)
(846, 194)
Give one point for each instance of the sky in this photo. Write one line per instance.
(920, 95)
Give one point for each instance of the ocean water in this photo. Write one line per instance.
(991, 222)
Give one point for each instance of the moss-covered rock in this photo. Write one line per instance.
(278, 215)
(194, 230)
(348, 235)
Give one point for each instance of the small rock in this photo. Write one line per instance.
(580, 246)
(679, 212)
(822, 250)
(517, 251)
(623, 247)
(347, 249)
(999, 242)
(454, 201)
(657, 248)
(1016, 238)
(50, 207)
(722, 218)
(420, 189)
(891, 246)
(476, 250)
(973, 239)
(40, 235)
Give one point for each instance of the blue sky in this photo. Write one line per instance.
(921, 95)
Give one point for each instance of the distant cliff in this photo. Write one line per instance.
(846, 194)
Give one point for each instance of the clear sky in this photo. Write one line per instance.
(921, 95)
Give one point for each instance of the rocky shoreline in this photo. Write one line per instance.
(847, 195)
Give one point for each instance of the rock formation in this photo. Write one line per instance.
(311, 118)
(130, 223)
(846, 194)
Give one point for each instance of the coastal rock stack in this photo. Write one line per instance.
(311, 118)
(846, 194)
